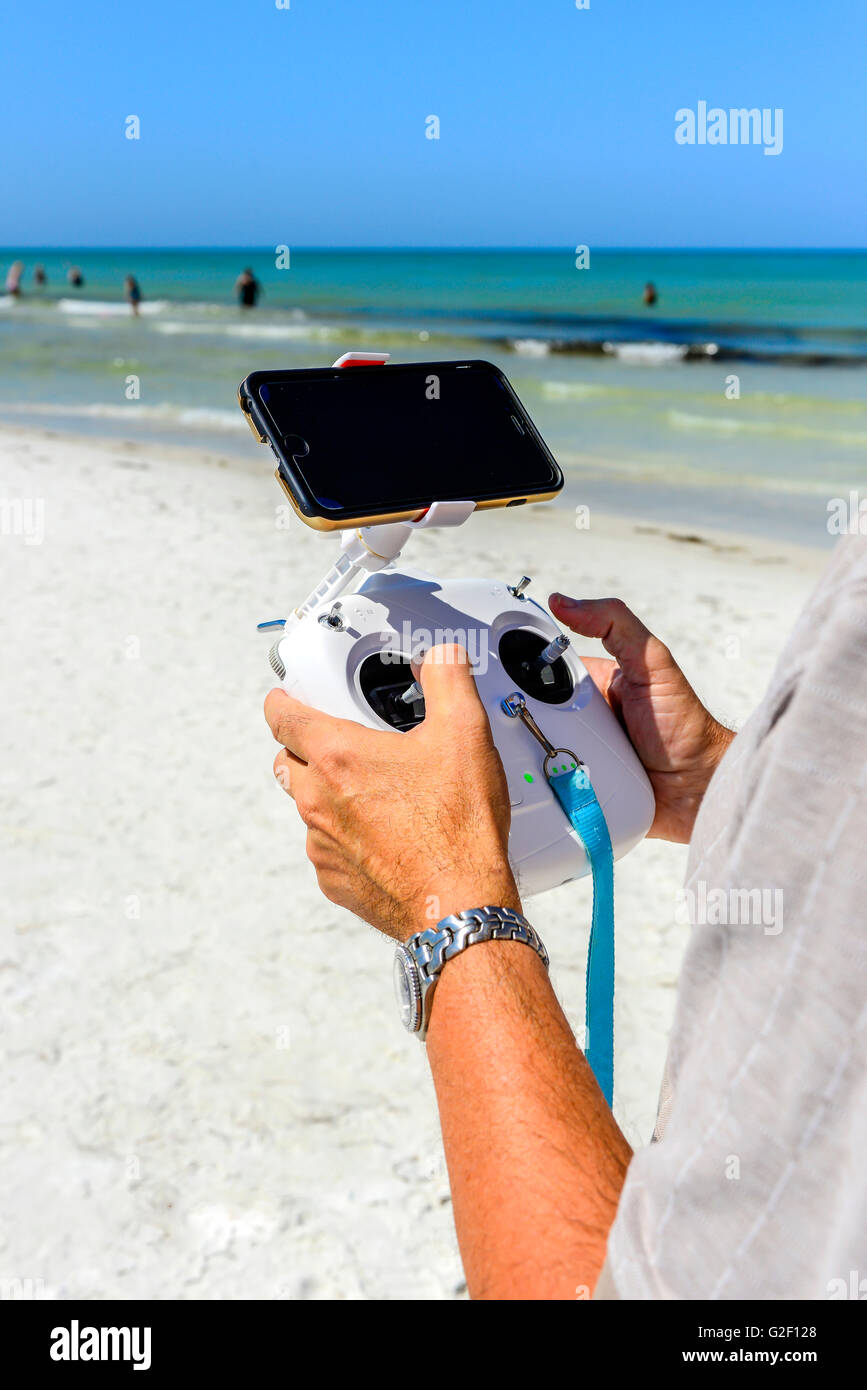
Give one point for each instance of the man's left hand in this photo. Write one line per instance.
(402, 829)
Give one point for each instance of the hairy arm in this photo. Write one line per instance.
(535, 1158)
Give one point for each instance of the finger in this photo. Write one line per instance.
(601, 671)
(633, 646)
(283, 766)
(446, 677)
(294, 724)
(322, 848)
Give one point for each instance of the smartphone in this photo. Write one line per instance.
(359, 446)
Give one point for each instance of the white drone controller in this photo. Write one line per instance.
(350, 657)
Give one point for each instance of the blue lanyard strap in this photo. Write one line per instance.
(574, 791)
(572, 787)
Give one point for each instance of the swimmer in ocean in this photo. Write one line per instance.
(248, 289)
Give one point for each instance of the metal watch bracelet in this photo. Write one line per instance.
(418, 964)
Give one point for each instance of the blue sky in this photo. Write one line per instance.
(307, 126)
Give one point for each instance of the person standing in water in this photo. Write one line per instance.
(132, 293)
(75, 277)
(650, 296)
(39, 276)
(13, 279)
(248, 289)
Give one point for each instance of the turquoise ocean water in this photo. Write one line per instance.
(640, 404)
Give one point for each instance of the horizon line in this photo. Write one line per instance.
(466, 249)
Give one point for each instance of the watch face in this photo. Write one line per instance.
(406, 989)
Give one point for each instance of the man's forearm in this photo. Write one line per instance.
(536, 1161)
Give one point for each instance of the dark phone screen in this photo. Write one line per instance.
(368, 439)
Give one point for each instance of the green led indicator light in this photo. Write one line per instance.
(528, 776)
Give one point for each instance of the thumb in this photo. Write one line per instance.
(446, 677)
(637, 652)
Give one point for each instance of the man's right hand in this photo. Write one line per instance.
(677, 739)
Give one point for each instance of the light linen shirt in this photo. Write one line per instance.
(755, 1185)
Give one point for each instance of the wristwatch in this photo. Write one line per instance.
(418, 965)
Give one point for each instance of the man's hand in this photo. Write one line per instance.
(402, 829)
(677, 739)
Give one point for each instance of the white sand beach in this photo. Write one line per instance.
(207, 1090)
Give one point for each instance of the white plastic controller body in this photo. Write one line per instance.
(390, 615)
